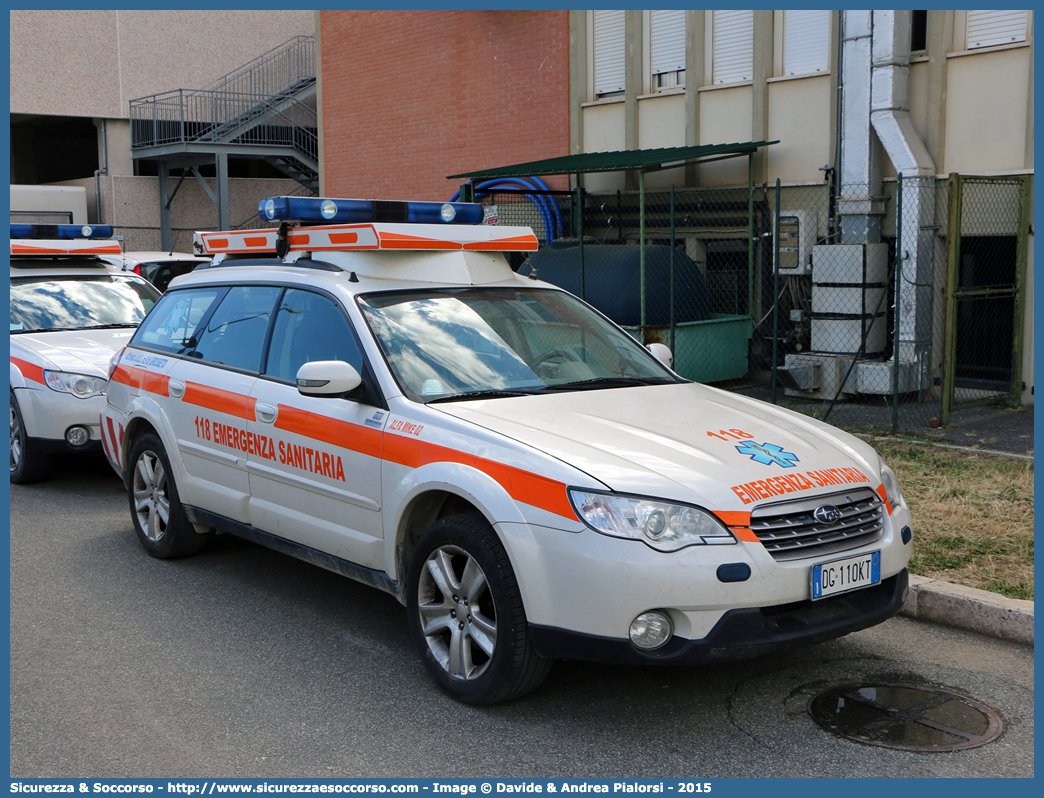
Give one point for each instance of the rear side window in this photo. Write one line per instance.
(309, 327)
(172, 325)
(234, 335)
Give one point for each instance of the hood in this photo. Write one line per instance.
(77, 351)
(684, 442)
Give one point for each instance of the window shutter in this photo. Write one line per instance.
(806, 42)
(667, 41)
(608, 51)
(733, 46)
(990, 28)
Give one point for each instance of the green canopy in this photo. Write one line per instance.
(643, 160)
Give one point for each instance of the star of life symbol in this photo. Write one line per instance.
(174, 320)
(768, 453)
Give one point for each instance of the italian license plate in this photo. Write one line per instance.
(850, 573)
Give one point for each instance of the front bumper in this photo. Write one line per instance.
(741, 633)
(47, 414)
(594, 586)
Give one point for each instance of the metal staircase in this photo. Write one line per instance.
(265, 110)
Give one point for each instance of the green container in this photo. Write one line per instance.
(706, 351)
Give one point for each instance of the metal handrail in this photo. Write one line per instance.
(274, 71)
(227, 117)
(259, 104)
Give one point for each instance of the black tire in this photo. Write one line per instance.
(153, 493)
(475, 644)
(27, 465)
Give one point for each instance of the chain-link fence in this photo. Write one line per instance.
(831, 300)
(841, 302)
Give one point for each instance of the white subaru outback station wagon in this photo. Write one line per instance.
(371, 388)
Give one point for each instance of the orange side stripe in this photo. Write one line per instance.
(121, 375)
(216, 242)
(255, 241)
(744, 534)
(234, 404)
(155, 383)
(399, 241)
(519, 244)
(141, 379)
(30, 371)
(100, 249)
(329, 430)
(344, 238)
(523, 486)
(884, 497)
(299, 240)
(733, 518)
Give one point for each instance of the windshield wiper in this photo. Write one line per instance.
(607, 382)
(111, 326)
(43, 329)
(493, 393)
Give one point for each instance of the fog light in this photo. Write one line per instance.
(650, 630)
(77, 436)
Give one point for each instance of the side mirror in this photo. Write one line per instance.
(327, 378)
(662, 353)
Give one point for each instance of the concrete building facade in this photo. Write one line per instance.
(73, 75)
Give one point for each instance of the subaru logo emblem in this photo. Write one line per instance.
(826, 514)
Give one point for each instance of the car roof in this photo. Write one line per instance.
(143, 256)
(62, 265)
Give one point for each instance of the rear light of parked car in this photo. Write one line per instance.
(114, 361)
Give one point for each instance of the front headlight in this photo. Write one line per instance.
(891, 485)
(662, 525)
(82, 386)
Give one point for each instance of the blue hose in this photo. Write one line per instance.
(549, 212)
(482, 188)
(540, 185)
(554, 205)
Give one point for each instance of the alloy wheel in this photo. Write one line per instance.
(16, 439)
(457, 613)
(151, 500)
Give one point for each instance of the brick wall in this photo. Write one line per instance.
(412, 96)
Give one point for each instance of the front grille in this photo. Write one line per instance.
(790, 532)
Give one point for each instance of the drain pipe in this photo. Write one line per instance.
(859, 183)
(104, 170)
(890, 118)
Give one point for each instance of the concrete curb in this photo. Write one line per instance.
(970, 608)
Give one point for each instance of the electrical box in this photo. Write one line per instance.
(797, 235)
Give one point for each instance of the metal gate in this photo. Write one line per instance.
(988, 228)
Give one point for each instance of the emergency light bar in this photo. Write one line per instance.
(323, 209)
(61, 231)
(373, 236)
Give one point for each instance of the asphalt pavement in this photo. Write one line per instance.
(242, 662)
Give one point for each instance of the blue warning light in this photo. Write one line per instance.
(323, 209)
(61, 231)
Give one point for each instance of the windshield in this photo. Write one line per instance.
(478, 342)
(47, 302)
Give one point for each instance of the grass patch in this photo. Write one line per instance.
(972, 515)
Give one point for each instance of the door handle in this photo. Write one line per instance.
(265, 413)
(176, 389)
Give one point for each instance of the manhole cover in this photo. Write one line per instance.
(906, 717)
